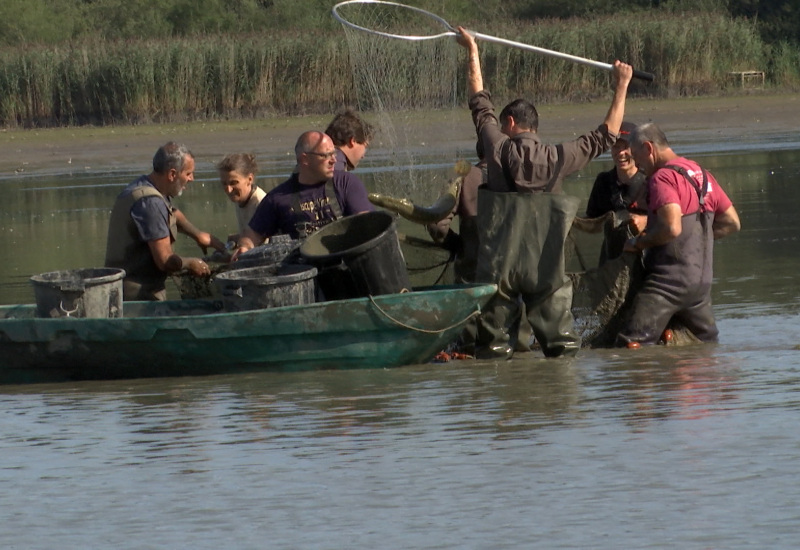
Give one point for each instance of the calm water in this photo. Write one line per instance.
(689, 448)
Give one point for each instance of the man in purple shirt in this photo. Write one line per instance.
(314, 196)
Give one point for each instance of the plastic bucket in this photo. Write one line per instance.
(358, 256)
(91, 292)
(267, 286)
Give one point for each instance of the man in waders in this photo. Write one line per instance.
(314, 196)
(687, 211)
(144, 224)
(523, 218)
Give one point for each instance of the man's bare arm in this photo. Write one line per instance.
(726, 223)
(474, 75)
(622, 77)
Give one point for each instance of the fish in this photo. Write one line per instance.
(421, 214)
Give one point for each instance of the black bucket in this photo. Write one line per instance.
(90, 293)
(267, 286)
(358, 256)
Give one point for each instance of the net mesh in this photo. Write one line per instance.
(409, 88)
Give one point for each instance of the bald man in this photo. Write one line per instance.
(314, 196)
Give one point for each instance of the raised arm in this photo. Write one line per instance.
(474, 76)
(622, 75)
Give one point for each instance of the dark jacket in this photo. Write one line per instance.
(525, 164)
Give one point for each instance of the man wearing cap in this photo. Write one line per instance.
(687, 211)
(523, 218)
(620, 190)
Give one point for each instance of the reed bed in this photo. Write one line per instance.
(230, 76)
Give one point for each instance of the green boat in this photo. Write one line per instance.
(197, 337)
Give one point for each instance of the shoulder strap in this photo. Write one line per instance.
(330, 193)
(701, 191)
(148, 191)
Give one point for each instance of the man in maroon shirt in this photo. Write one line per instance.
(687, 211)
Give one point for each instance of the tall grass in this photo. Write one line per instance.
(260, 75)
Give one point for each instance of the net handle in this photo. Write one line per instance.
(450, 31)
(641, 75)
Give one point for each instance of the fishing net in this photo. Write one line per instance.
(391, 20)
(601, 292)
(410, 89)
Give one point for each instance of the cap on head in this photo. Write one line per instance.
(625, 131)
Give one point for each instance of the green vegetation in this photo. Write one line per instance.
(111, 61)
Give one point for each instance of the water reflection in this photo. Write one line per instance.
(659, 383)
(615, 440)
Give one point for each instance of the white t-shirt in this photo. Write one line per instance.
(244, 213)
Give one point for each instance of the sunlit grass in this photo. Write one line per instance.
(220, 77)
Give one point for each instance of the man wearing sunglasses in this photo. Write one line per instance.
(314, 196)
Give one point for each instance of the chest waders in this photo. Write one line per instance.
(521, 249)
(303, 226)
(677, 283)
(125, 249)
(466, 261)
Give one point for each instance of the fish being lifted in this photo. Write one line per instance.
(426, 214)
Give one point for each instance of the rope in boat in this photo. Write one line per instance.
(422, 330)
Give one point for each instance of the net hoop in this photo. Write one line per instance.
(449, 32)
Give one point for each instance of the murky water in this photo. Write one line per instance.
(659, 448)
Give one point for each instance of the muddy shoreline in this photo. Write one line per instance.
(696, 124)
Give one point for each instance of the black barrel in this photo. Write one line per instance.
(358, 256)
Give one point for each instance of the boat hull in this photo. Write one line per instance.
(195, 337)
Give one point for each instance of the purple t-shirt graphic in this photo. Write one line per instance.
(293, 207)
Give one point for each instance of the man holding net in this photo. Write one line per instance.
(523, 218)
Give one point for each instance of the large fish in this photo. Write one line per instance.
(421, 214)
(425, 214)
